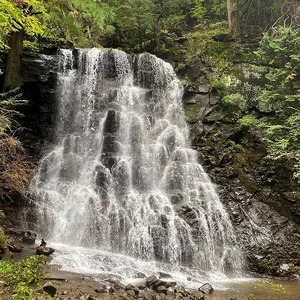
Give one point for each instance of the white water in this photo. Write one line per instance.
(122, 180)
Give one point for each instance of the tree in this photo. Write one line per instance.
(18, 18)
(234, 18)
(150, 25)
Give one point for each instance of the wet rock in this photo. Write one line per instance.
(180, 290)
(131, 293)
(165, 275)
(109, 161)
(148, 297)
(204, 88)
(162, 289)
(206, 288)
(20, 236)
(151, 280)
(213, 99)
(44, 250)
(194, 72)
(101, 289)
(109, 144)
(112, 122)
(15, 247)
(29, 237)
(164, 223)
(177, 198)
(117, 286)
(141, 286)
(197, 295)
(202, 99)
(131, 287)
(139, 275)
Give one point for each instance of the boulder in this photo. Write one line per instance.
(162, 289)
(15, 247)
(162, 274)
(131, 293)
(29, 237)
(131, 287)
(197, 295)
(44, 250)
(16, 238)
(151, 280)
(206, 288)
(180, 290)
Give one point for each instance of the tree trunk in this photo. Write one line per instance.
(234, 19)
(12, 77)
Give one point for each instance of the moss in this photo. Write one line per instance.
(288, 255)
(3, 240)
(192, 110)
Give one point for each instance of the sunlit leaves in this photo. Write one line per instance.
(83, 23)
(14, 17)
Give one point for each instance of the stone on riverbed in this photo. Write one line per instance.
(44, 250)
(206, 288)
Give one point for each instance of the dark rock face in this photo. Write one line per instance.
(262, 202)
(17, 238)
(39, 81)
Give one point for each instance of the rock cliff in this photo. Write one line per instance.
(266, 214)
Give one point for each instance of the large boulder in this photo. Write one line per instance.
(206, 288)
(40, 250)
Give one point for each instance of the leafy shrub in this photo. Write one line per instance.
(24, 277)
(2, 242)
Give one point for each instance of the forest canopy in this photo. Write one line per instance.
(136, 25)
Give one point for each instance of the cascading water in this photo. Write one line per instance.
(122, 177)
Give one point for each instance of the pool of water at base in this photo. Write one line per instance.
(258, 289)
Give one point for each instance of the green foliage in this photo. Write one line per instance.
(270, 85)
(209, 12)
(83, 23)
(205, 44)
(151, 25)
(280, 50)
(23, 278)
(2, 241)
(26, 14)
(280, 92)
(7, 101)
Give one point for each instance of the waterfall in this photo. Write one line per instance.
(122, 177)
